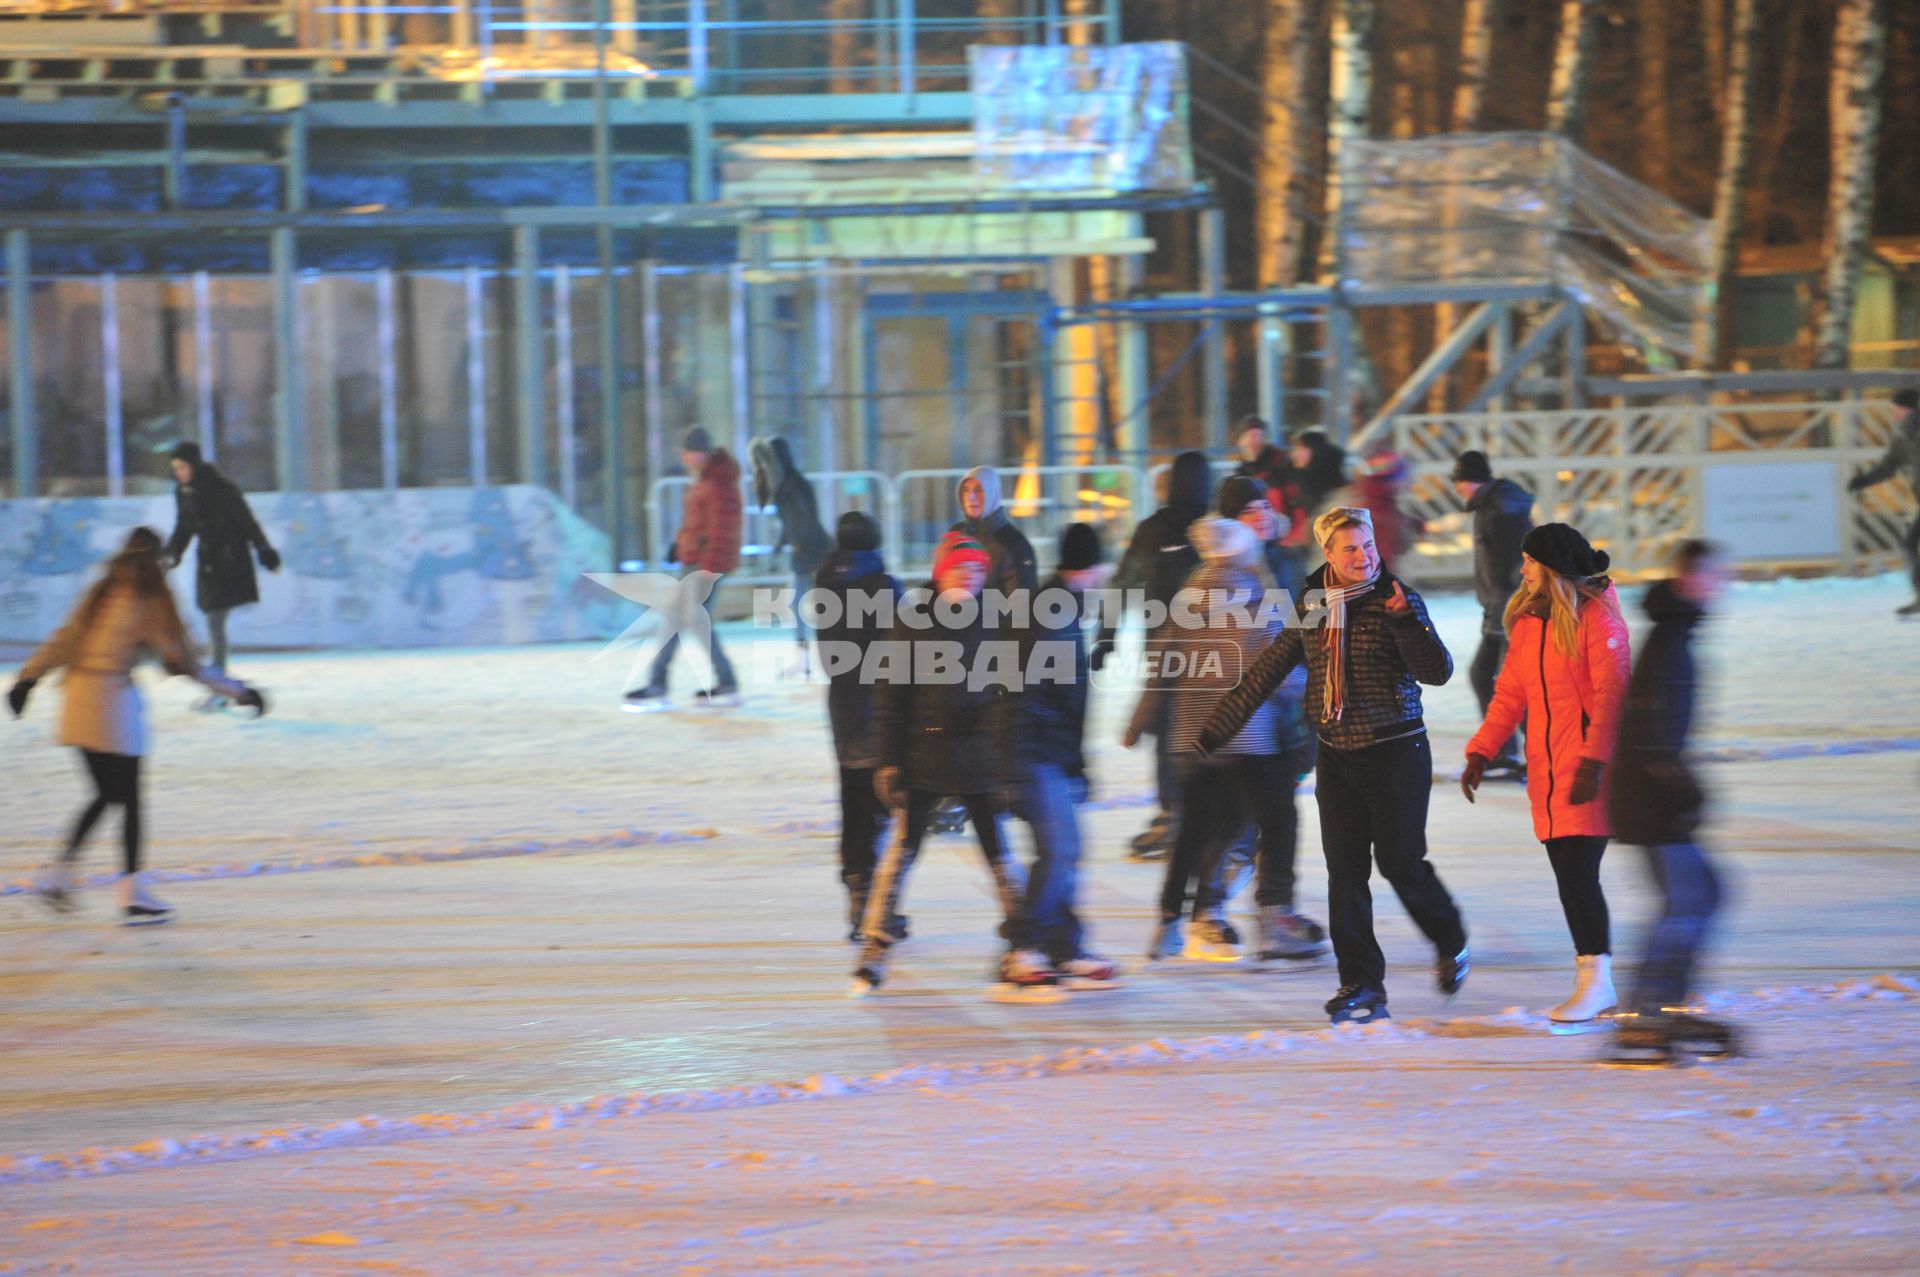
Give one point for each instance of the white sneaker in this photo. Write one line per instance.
(1593, 995)
(138, 906)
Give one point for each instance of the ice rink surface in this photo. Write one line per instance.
(473, 973)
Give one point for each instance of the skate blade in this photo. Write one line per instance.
(1193, 955)
(645, 707)
(145, 919)
(858, 988)
(1374, 1018)
(1569, 1028)
(1087, 984)
(1287, 961)
(1648, 1061)
(1026, 994)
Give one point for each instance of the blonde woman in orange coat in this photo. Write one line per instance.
(1564, 680)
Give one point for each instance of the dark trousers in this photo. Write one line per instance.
(217, 649)
(863, 819)
(1483, 674)
(1219, 797)
(1373, 807)
(1690, 895)
(910, 830)
(116, 783)
(1576, 867)
(1911, 544)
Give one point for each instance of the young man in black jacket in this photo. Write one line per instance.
(209, 506)
(940, 731)
(1368, 644)
(856, 576)
(1656, 803)
(1502, 513)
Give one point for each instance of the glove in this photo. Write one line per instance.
(254, 700)
(269, 558)
(17, 695)
(1856, 483)
(1102, 648)
(1586, 782)
(887, 788)
(1470, 778)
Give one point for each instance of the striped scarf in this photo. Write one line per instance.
(1334, 631)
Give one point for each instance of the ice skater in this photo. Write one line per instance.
(1370, 646)
(1564, 679)
(128, 612)
(708, 541)
(1902, 457)
(856, 575)
(1657, 805)
(209, 506)
(940, 736)
(778, 483)
(1502, 513)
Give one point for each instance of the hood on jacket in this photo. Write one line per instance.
(772, 462)
(1664, 604)
(720, 467)
(1190, 480)
(849, 567)
(1224, 541)
(989, 480)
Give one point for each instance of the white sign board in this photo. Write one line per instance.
(1764, 510)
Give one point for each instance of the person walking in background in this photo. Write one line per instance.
(1319, 470)
(1380, 480)
(207, 505)
(983, 516)
(1565, 678)
(128, 613)
(1657, 805)
(708, 541)
(1368, 644)
(1902, 457)
(857, 576)
(1159, 558)
(778, 483)
(1502, 514)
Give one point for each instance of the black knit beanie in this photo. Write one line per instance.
(1471, 467)
(1079, 547)
(1562, 548)
(856, 531)
(1239, 492)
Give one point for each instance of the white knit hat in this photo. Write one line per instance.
(1337, 518)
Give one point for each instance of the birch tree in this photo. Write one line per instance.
(1859, 60)
(1351, 101)
(1656, 126)
(1567, 92)
(1477, 23)
(1292, 138)
(1713, 336)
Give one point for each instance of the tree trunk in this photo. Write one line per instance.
(845, 42)
(1859, 59)
(1785, 79)
(1292, 138)
(1476, 50)
(1656, 128)
(1350, 113)
(1714, 339)
(1713, 29)
(1567, 94)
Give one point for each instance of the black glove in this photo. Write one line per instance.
(1856, 483)
(1470, 778)
(269, 558)
(1102, 648)
(17, 695)
(1586, 782)
(254, 700)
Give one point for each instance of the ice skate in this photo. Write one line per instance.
(1026, 977)
(1911, 609)
(1168, 940)
(211, 703)
(1152, 842)
(949, 817)
(871, 973)
(1357, 1004)
(54, 887)
(1212, 940)
(138, 906)
(1592, 1002)
(1708, 1039)
(726, 697)
(645, 700)
(1643, 1041)
(1285, 936)
(1089, 971)
(1449, 973)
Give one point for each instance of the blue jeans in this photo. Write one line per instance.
(1047, 920)
(1690, 893)
(722, 667)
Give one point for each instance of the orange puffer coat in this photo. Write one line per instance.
(1570, 706)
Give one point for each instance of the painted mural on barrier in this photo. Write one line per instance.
(417, 567)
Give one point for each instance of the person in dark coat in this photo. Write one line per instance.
(207, 505)
(1656, 804)
(778, 483)
(1271, 466)
(1502, 513)
(1319, 468)
(939, 736)
(856, 575)
(1157, 562)
(1902, 457)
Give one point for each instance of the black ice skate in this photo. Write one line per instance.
(1708, 1039)
(870, 974)
(645, 700)
(727, 697)
(949, 817)
(1449, 973)
(1358, 1004)
(1152, 842)
(1911, 609)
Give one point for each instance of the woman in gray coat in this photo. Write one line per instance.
(128, 613)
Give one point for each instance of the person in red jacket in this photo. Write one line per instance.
(1564, 680)
(708, 541)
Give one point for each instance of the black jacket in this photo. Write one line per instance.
(1160, 557)
(780, 484)
(211, 508)
(863, 575)
(947, 738)
(1388, 658)
(1655, 797)
(1502, 516)
(1053, 712)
